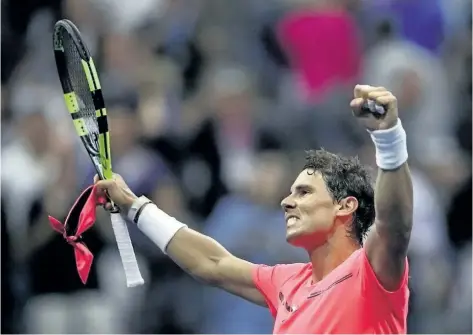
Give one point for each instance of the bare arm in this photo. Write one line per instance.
(206, 260)
(387, 244)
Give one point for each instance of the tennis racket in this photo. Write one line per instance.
(84, 100)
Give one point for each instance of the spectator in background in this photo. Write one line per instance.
(222, 136)
(33, 165)
(430, 253)
(29, 166)
(458, 311)
(322, 43)
(421, 22)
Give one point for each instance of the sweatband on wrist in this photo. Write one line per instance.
(391, 146)
(158, 226)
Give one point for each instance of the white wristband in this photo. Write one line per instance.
(391, 146)
(158, 226)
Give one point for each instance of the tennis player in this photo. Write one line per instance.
(356, 279)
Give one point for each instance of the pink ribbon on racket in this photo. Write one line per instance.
(83, 214)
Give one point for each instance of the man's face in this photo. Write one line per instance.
(309, 211)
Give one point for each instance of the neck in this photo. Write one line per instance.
(331, 254)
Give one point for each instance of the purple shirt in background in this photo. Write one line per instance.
(419, 21)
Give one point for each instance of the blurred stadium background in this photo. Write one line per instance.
(211, 104)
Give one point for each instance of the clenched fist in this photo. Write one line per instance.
(380, 96)
(116, 190)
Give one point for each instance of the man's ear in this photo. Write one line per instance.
(347, 207)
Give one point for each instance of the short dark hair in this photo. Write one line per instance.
(346, 176)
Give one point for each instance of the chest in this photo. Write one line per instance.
(323, 308)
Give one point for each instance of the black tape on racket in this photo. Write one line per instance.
(369, 106)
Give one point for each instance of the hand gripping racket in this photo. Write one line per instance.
(369, 106)
(84, 100)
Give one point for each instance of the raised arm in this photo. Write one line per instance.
(199, 255)
(386, 245)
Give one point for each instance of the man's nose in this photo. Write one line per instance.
(288, 203)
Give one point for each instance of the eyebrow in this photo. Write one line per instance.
(303, 187)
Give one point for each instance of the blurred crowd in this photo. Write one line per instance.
(211, 105)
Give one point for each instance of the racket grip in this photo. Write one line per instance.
(369, 106)
(127, 254)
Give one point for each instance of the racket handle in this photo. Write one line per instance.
(127, 254)
(369, 106)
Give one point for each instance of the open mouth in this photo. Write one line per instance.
(291, 219)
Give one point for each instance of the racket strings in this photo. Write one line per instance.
(82, 91)
(78, 78)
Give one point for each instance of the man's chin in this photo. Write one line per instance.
(294, 239)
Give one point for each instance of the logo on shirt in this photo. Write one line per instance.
(289, 307)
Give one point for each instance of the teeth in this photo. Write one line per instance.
(291, 220)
